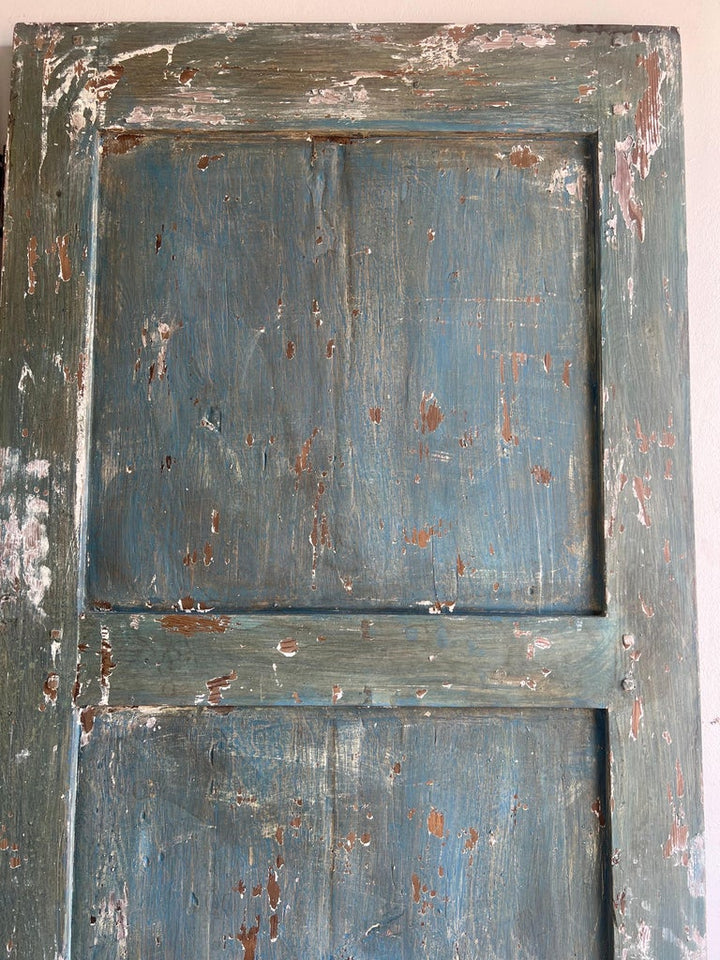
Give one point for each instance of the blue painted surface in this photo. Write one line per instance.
(337, 834)
(372, 362)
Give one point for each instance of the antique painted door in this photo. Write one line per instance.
(346, 548)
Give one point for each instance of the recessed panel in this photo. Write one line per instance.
(341, 834)
(345, 375)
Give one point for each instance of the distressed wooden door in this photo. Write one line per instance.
(346, 539)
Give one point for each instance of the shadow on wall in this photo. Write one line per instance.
(5, 65)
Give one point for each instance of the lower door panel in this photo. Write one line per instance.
(360, 834)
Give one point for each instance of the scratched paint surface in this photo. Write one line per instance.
(338, 834)
(345, 374)
(530, 91)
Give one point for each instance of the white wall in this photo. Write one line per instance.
(699, 23)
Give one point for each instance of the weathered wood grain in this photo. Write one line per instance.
(81, 92)
(173, 659)
(370, 834)
(46, 297)
(351, 375)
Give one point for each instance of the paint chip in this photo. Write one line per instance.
(288, 647)
(436, 823)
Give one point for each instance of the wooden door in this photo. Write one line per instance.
(346, 540)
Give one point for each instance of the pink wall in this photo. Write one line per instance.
(699, 23)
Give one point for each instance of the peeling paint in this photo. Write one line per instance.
(436, 823)
(624, 188)
(248, 938)
(541, 475)
(506, 431)
(117, 144)
(50, 687)
(160, 339)
(523, 157)
(32, 259)
(570, 179)
(187, 75)
(351, 95)
(647, 115)
(217, 685)
(107, 665)
(288, 647)
(643, 493)
(430, 414)
(415, 881)
(505, 40)
(273, 889)
(189, 625)
(24, 544)
(64, 265)
(637, 715)
(302, 460)
(422, 537)
(87, 722)
(447, 46)
(205, 160)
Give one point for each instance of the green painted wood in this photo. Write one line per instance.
(368, 834)
(375, 77)
(655, 724)
(171, 659)
(616, 88)
(46, 297)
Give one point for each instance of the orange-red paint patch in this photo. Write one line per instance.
(273, 889)
(248, 939)
(523, 157)
(205, 160)
(288, 647)
(302, 461)
(64, 265)
(436, 823)
(506, 430)
(422, 537)
(188, 624)
(430, 414)
(217, 685)
(415, 880)
(637, 715)
(541, 475)
(50, 687)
